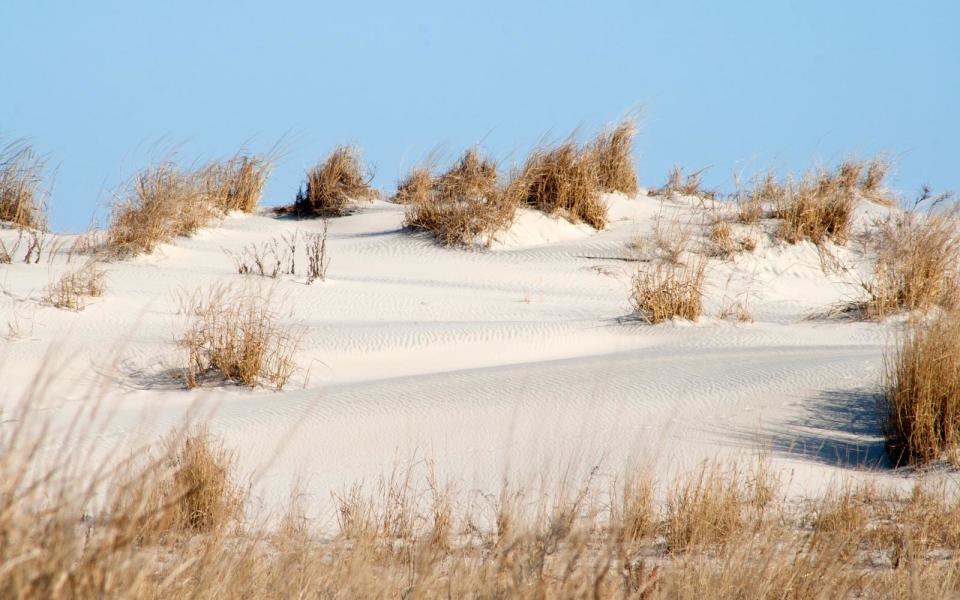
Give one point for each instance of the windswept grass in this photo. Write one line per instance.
(20, 179)
(237, 183)
(564, 180)
(165, 201)
(237, 336)
(334, 186)
(462, 206)
(612, 152)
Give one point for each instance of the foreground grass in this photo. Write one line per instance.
(168, 522)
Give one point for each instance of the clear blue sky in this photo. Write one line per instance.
(735, 85)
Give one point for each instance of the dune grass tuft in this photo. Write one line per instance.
(669, 291)
(20, 178)
(415, 187)
(819, 208)
(237, 183)
(462, 206)
(917, 264)
(165, 201)
(238, 337)
(921, 405)
(334, 186)
(564, 180)
(612, 152)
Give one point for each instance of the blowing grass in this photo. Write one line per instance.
(612, 152)
(669, 291)
(20, 179)
(921, 404)
(237, 183)
(165, 201)
(237, 336)
(334, 186)
(462, 206)
(564, 180)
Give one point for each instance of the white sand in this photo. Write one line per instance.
(511, 358)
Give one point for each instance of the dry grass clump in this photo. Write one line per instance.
(872, 183)
(764, 189)
(461, 206)
(613, 155)
(669, 291)
(335, 185)
(238, 337)
(722, 239)
(71, 290)
(165, 201)
(415, 187)
(818, 209)
(712, 506)
(192, 492)
(922, 396)
(917, 264)
(237, 183)
(563, 180)
(20, 177)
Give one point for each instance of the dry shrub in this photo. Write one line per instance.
(917, 264)
(921, 406)
(463, 205)
(613, 156)
(415, 187)
(335, 185)
(71, 290)
(20, 178)
(238, 337)
(236, 183)
(191, 490)
(563, 180)
(669, 291)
